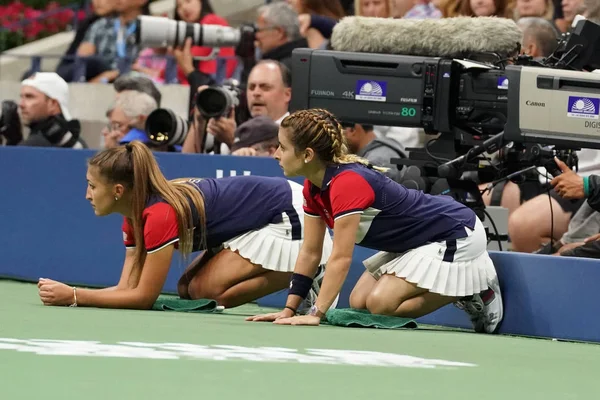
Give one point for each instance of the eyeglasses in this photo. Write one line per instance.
(115, 126)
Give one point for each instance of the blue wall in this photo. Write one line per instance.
(48, 229)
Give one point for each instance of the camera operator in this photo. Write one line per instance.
(268, 94)
(363, 142)
(570, 185)
(44, 109)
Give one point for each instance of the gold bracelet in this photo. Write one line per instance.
(75, 296)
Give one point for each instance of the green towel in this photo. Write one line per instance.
(172, 303)
(352, 317)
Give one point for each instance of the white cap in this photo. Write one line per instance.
(53, 86)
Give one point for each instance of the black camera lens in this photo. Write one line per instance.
(164, 127)
(212, 103)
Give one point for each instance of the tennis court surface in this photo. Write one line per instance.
(83, 353)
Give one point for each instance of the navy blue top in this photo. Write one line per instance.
(233, 206)
(392, 217)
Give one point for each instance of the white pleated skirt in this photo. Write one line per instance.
(454, 268)
(274, 247)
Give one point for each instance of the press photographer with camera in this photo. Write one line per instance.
(127, 118)
(268, 94)
(44, 109)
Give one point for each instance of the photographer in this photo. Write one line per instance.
(128, 118)
(44, 109)
(268, 94)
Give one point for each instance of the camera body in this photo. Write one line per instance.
(11, 132)
(218, 100)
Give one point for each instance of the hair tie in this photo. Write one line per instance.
(129, 147)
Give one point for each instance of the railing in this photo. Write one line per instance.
(124, 65)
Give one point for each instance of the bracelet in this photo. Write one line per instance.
(75, 296)
(586, 186)
(293, 309)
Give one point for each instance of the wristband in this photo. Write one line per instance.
(586, 186)
(293, 309)
(300, 285)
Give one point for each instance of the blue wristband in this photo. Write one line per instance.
(300, 285)
(586, 186)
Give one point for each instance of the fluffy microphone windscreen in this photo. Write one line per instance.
(446, 37)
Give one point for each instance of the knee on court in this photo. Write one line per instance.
(358, 299)
(379, 302)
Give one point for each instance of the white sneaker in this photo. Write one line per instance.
(311, 298)
(493, 307)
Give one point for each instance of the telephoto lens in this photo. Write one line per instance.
(165, 128)
(163, 32)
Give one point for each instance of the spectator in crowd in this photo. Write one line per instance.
(327, 8)
(278, 33)
(362, 141)
(100, 9)
(256, 137)
(316, 19)
(112, 40)
(422, 9)
(152, 62)
(373, 8)
(449, 8)
(540, 38)
(128, 118)
(534, 8)
(44, 108)
(268, 94)
(486, 8)
(570, 9)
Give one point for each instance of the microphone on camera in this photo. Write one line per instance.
(446, 37)
(491, 145)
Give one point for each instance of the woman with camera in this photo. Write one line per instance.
(249, 228)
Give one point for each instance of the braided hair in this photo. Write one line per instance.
(321, 131)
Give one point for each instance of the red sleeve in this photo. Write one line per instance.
(350, 193)
(210, 67)
(128, 239)
(309, 205)
(160, 227)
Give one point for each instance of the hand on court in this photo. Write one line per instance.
(568, 184)
(53, 293)
(285, 313)
(299, 320)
